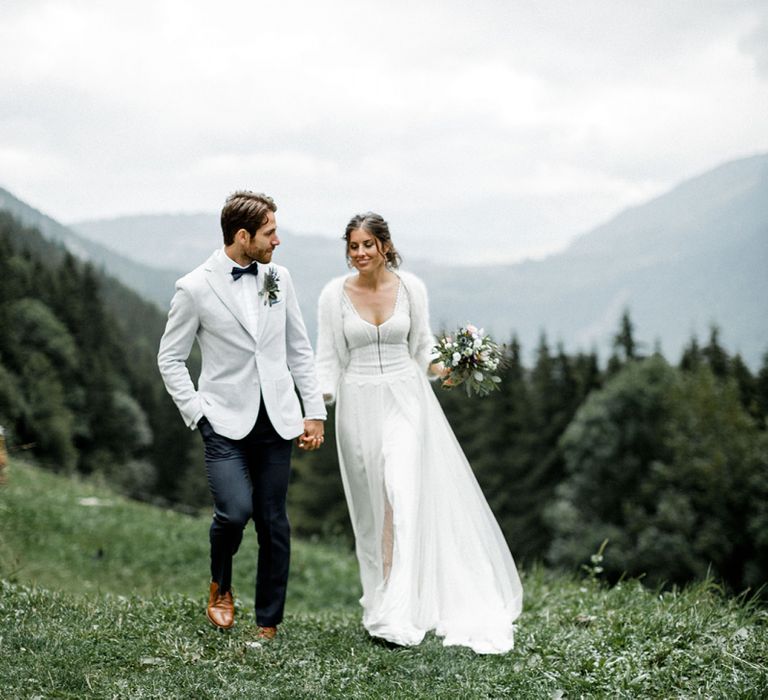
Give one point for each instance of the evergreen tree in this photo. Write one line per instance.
(660, 462)
(761, 390)
(48, 423)
(14, 407)
(587, 372)
(692, 356)
(624, 340)
(614, 365)
(567, 384)
(715, 354)
(101, 411)
(747, 384)
(545, 465)
(499, 450)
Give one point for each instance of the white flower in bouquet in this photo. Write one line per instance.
(471, 359)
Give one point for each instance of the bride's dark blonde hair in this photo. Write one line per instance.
(374, 224)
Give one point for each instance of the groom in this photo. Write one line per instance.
(242, 310)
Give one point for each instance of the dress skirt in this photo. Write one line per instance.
(431, 554)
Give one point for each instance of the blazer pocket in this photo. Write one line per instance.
(222, 394)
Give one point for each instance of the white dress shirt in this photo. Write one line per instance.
(247, 294)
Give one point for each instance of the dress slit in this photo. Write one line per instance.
(387, 539)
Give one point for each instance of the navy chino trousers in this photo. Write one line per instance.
(248, 478)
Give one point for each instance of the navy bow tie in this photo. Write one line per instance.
(238, 272)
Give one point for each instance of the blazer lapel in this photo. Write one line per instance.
(220, 282)
(263, 308)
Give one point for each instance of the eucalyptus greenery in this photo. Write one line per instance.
(472, 360)
(271, 288)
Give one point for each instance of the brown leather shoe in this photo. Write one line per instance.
(266, 633)
(221, 608)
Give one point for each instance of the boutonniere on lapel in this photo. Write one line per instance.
(271, 287)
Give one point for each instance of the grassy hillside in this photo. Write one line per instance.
(75, 537)
(102, 597)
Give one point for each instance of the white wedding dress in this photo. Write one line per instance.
(431, 554)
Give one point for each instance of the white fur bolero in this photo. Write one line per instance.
(332, 351)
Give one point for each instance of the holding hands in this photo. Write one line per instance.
(312, 437)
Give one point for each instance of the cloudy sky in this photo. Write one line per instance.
(486, 130)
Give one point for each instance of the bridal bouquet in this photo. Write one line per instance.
(472, 360)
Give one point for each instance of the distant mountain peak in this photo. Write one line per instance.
(693, 256)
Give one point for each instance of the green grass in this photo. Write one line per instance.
(49, 539)
(129, 623)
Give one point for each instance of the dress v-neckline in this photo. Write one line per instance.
(365, 320)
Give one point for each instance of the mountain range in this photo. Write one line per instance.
(693, 257)
(696, 256)
(153, 283)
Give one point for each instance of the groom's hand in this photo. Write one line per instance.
(312, 438)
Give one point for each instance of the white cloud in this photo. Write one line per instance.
(528, 121)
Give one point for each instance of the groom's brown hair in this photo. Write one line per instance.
(245, 209)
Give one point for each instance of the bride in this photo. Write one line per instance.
(431, 554)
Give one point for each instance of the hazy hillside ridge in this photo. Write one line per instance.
(692, 257)
(153, 284)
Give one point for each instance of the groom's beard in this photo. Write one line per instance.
(264, 256)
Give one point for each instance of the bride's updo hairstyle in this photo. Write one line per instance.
(375, 225)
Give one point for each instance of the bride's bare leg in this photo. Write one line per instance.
(387, 536)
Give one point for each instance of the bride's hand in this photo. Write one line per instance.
(312, 438)
(440, 370)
